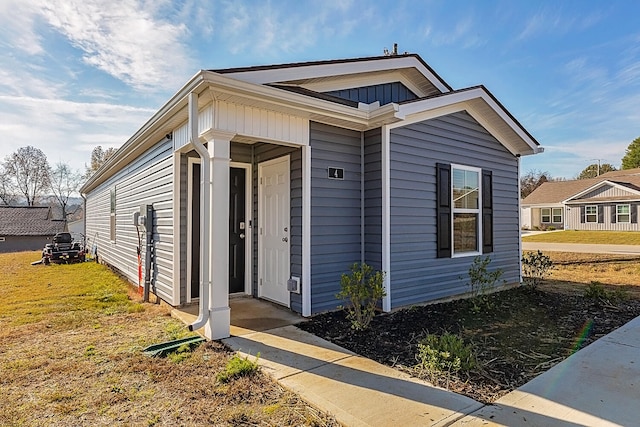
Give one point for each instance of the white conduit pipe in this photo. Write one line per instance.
(205, 213)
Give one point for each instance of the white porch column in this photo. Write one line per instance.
(218, 325)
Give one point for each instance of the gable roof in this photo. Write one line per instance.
(324, 76)
(28, 221)
(300, 90)
(557, 192)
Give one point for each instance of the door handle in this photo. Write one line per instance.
(242, 235)
(285, 239)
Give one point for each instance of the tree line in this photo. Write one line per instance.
(535, 178)
(25, 175)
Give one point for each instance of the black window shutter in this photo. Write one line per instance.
(634, 213)
(487, 211)
(582, 214)
(443, 209)
(614, 210)
(600, 214)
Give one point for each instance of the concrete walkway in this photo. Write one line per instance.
(597, 386)
(582, 248)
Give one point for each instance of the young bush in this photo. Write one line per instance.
(363, 289)
(597, 292)
(444, 355)
(535, 266)
(238, 367)
(481, 280)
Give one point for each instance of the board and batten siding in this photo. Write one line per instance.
(335, 211)
(146, 181)
(573, 218)
(417, 275)
(383, 93)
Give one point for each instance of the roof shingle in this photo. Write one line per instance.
(28, 221)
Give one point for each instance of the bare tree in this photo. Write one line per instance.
(63, 183)
(7, 187)
(98, 158)
(29, 169)
(532, 180)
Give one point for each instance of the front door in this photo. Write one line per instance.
(237, 229)
(274, 217)
(195, 231)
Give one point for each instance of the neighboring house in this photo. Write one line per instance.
(27, 228)
(608, 202)
(263, 174)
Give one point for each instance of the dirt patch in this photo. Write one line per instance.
(518, 334)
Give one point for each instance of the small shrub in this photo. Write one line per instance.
(551, 228)
(363, 289)
(535, 266)
(182, 353)
(444, 355)
(597, 292)
(238, 367)
(481, 280)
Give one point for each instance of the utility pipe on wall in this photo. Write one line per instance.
(205, 213)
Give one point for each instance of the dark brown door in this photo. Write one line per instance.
(195, 232)
(237, 230)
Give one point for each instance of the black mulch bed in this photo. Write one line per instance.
(521, 333)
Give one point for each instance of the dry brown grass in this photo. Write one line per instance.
(70, 354)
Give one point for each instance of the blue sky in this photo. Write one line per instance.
(75, 74)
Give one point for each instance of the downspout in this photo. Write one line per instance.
(519, 221)
(362, 216)
(205, 211)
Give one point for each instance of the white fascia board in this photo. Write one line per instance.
(598, 185)
(219, 83)
(459, 101)
(141, 137)
(314, 71)
(543, 205)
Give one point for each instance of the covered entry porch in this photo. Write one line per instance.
(241, 220)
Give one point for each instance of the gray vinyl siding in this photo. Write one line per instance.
(417, 275)
(373, 198)
(24, 243)
(383, 93)
(261, 153)
(573, 218)
(335, 211)
(147, 180)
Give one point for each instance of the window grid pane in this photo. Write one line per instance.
(623, 213)
(546, 215)
(591, 213)
(466, 210)
(557, 215)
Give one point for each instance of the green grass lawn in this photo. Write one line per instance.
(592, 237)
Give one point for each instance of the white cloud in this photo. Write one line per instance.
(66, 130)
(17, 25)
(124, 39)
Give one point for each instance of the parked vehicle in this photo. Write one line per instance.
(63, 250)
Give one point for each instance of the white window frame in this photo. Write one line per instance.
(477, 211)
(551, 216)
(548, 215)
(112, 214)
(628, 214)
(594, 215)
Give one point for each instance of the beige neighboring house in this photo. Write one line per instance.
(27, 228)
(608, 202)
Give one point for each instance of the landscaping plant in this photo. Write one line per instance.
(602, 296)
(481, 280)
(535, 266)
(363, 290)
(444, 355)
